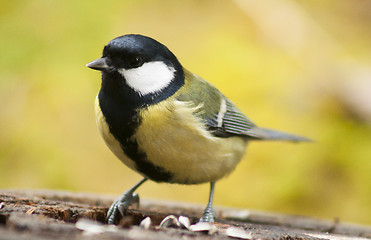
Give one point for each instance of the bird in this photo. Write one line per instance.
(167, 123)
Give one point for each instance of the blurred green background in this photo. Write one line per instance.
(298, 66)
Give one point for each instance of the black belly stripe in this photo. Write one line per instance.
(143, 165)
(122, 120)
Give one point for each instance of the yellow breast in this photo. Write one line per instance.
(174, 139)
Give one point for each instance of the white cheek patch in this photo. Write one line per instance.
(151, 77)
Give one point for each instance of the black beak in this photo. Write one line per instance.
(99, 64)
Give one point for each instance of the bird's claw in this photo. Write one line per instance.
(208, 215)
(119, 207)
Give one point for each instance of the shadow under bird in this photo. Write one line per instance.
(165, 122)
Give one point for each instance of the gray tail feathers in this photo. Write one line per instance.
(269, 134)
(278, 135)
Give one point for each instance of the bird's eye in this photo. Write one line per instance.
(136, 62)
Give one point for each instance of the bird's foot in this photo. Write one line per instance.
(208, 215)
(119, 207)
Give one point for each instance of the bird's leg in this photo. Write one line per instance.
(209, 213)
(119, 207)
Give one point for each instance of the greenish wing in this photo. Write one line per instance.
(220, 115)
(230, 121)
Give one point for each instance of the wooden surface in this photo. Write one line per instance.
(58, 215)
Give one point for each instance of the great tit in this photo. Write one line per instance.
(165, 122)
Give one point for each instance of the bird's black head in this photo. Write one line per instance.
(138, 69)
